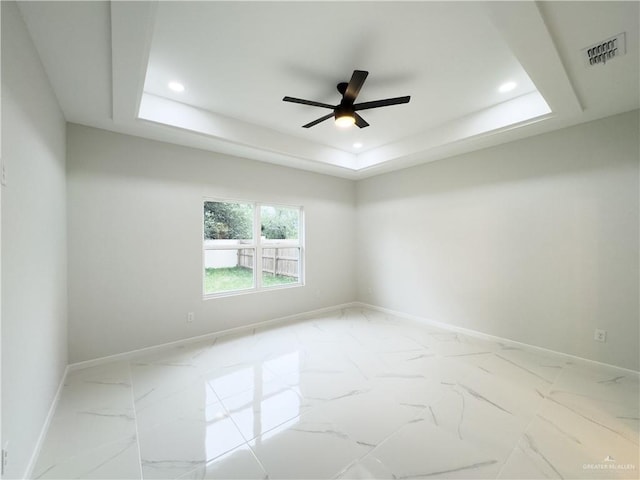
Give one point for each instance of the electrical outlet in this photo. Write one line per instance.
(3, 174)
(600, 335)
(190, 317)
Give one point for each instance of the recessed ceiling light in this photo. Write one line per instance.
(176, 86)
(357, 145)
(507, 87)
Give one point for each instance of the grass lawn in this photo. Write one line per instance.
(238, 278)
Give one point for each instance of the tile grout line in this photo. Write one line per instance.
(495, 338)
(161, 348)
(533, 418)
(53, 408)
(566, 368)
(246, 442)
(370, 454)
(135, 419)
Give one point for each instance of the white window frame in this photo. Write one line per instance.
(257, 245)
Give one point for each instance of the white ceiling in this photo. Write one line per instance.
(110, 62)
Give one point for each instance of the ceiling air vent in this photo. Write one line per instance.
(601, 52)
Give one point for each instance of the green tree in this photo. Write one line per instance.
(227, 221)
(279, 223)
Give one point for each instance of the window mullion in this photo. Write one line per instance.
(225, 224)
(257, 232)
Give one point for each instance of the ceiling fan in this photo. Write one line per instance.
(345, 112)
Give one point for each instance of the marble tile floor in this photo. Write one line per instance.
(354, 394)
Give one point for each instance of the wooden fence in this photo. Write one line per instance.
(276, 261)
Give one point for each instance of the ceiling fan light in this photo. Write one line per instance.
(344, 120)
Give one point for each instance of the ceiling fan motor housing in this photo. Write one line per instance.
(345, 112)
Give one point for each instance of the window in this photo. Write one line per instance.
(251, 246)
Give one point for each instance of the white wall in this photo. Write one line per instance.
(34, 262)
(535, 240)
(135, 241)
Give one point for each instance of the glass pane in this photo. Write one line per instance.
(279, 223)
(228, 221)
(228, 270)
(280, 266)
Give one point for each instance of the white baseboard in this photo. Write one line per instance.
(156, 348)
(45, 427)
(208, 336)
(485, 336)
(281, 321)
(320, 311)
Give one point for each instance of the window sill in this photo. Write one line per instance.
(234, 293)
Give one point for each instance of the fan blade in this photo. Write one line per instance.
(360, 122)
(308, 102)
(315, 122)
(354, 86)
(381, 103)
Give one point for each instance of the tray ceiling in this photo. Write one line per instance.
(111, 63)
